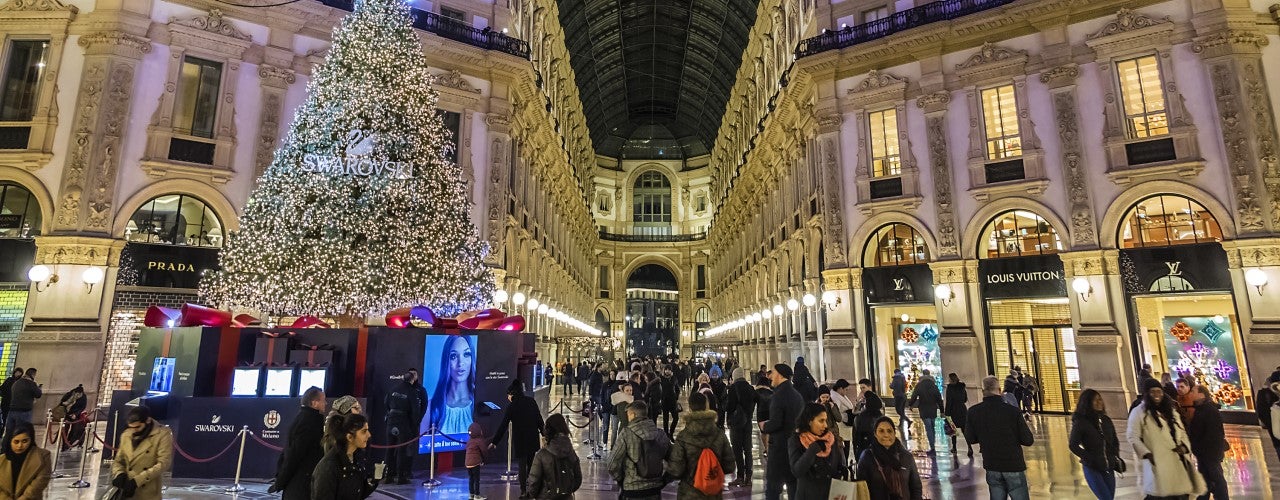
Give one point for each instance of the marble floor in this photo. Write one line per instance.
(1252, 469)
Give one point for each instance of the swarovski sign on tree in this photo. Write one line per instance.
(361, 211)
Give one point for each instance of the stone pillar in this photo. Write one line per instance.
(67, 319)
(1259, 307)
(844, 356)
(962, 350)
(1096, 323)
(276, 75)
(499, 169)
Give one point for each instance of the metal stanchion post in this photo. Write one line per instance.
(509, 475)
(93, 446)
(593, 425)
(84, 457)
(58, 449)
(236, 488)
(48, 425)
(431, 481)
(115, 425)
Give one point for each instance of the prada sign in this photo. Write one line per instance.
(1174, 269)
(892, 284)
(1022, 277)
(168, 266)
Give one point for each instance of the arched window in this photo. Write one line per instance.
(651, 204)
(1019, 232)
(1166, 220)
(895, 245)
(19, 212)
(175, 219)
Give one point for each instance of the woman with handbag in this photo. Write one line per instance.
(956, 410)
(24, 467)
(1093, 439)
(816, 458)
(144, 453)
(1156, 433)
(887, 466)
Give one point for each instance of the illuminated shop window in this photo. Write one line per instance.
(1020, 232)
(886, 160)
(1000, 121)
(1168, 219)
(175, 219)
(1143, 97)
(895, 245)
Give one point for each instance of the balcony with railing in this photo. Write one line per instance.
(455, 30)
(944, 10)
(639, 234)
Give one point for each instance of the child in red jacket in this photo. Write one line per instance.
(475, 457)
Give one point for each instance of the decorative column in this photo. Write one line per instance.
(961, 350)
(1097, 328)
(275, 75)
(1255, 276)
(842, 341)
(499, 124)
(935, 111)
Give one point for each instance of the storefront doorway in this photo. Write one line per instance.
(1029, 332)
(902, 319)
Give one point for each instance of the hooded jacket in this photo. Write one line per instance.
(864, 425)
(626, 451)
(741, 403)
(926, 397)
(476, 445)
(543, 468)
(699, 433)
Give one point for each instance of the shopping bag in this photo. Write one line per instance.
(113, 493)
(949, 427)
(849, 490)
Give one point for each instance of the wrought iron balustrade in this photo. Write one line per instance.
(944, 10)
(456, 30)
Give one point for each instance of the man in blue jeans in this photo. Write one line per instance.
(1001, 449)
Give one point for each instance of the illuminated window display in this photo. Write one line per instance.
(1182, 311)
(898, 286)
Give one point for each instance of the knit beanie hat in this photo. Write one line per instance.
(343, 404)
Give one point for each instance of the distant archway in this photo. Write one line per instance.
(653, 311)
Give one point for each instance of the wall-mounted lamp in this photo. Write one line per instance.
(518, 298)
(809, 300)
(1082, 288)
(1256, 278)
(41, 273)
(792, 305)
(944, 293)
(831, 299)
(91, 276)
(533, 303)
(777, 309)
(500, 297)
(766, 313)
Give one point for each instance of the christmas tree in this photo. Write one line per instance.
(360, 211)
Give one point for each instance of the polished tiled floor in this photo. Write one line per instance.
(1252, 469)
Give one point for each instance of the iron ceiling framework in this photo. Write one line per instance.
(655, 71)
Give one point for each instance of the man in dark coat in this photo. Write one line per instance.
(1265, 403)
(784, 409)
(739, 405)
(804, 381)
(303, 450)
(899, 387)
(525, 420)
(5, 396)
(406, 404)
(928, 400)
(1001, 433)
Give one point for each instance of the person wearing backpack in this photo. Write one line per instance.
(701, 455)
(636, 460)
(556, 472)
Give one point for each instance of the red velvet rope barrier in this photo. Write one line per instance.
(103, 443)
(204, 460)
(400, 445)
(269, 446)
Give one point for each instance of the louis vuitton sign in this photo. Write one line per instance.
(1022, 277)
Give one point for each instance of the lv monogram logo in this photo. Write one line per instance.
(1174, 268)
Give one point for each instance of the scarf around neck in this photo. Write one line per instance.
(889, 462)
(807, 438)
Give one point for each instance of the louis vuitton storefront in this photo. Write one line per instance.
(901, 315)
(1178, 292)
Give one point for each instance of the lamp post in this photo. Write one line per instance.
(793, 305)
(810, 303)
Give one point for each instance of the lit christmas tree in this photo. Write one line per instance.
(360, 211)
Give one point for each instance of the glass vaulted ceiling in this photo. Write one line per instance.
(655, 75)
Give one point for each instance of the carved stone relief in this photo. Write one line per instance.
(1064, 107)
(36, 5)
(453, 79)
(833, 233)
(1236, 139)
(214, 23)
(935, 126)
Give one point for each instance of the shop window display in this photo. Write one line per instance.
(1035, 336)
(1196, 336)
(918, 351)
(175, 220)
(1019, 232)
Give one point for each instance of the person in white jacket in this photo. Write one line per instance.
(1159, 440)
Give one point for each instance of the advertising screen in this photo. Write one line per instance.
(279, 382)
(162, 375)
(244, 381)
(312, 377)
(449, 377)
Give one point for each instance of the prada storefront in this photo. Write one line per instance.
(1026, 309)
(1178, 292)
(902, 317)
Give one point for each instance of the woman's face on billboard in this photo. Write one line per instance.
(460, 360)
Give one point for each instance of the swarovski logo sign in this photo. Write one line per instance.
(357, 160)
